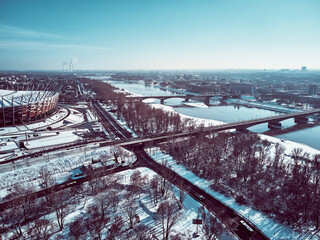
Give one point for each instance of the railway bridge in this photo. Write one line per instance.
(186, 97)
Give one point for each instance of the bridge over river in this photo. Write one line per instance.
(186, 97)
(273, 122)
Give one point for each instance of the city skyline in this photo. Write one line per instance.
(115, 35)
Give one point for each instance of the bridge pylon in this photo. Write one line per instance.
(207, 100)
(300, 120)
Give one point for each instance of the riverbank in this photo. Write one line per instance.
(287, 144)
(271, 227)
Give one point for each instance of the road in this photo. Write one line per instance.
(237, 224)
(68, 184)
(46, 156)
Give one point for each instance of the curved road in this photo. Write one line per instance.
(237, 224)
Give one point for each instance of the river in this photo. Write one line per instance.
(308, 134)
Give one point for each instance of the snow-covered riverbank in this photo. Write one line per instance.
(270, 227)
(288, 145)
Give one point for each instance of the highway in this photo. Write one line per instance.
(111, 123)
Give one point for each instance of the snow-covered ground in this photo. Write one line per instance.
(197, 121)
(146, 210)
(190, 210)
(290, 145)
(61, 137)
(60, 164)
(270, 227)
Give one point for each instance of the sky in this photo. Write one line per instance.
(159, 34)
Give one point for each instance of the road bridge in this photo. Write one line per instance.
(273, 122)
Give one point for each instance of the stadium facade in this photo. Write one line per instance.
(19, 107)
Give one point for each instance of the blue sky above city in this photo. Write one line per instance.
(173, 34)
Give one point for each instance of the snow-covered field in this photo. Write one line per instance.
(60, 166)
(61, 137)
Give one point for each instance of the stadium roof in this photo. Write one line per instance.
(10, 98)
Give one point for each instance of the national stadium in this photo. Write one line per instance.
(20, 107)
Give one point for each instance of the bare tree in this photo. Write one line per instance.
(316, 190)
(169, 216)
(93, 181)
(142, 232)
(95, 223)
(77, 228)
(3, 227)
(115, 229)
(155, 188)
(163, 183)
(210, 227)
(137, 181)
(40, 228)
(14, 217)
(103, 200)
(58, 202)
(26, 199)
(130, 207)
(297, 153)
(182, 196)
(113, 198)
(47, 179)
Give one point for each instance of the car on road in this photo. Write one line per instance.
(199, 196)
(243, 223)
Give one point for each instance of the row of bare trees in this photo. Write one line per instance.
(142, 118)
(254, 172)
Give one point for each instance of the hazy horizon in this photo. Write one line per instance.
(159, 35)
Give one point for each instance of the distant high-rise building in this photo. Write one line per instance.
(313, 89)
(304, 68)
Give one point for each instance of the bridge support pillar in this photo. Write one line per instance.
(162, 100)
(300, 120)
(207, 100)
(188, 97)
(274, 125)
